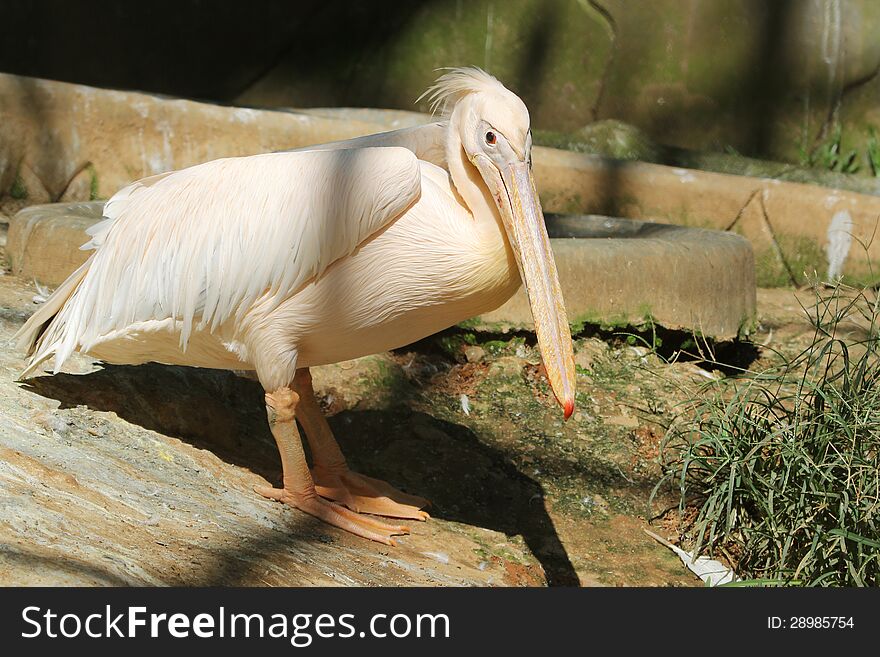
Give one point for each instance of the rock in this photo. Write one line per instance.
(28, 187)
(634, 273)
(58, 131)
(762, 78)
(145, 475)
(506, 367)
(588, 349)
(83, 186)
(622, 141)
(389, 119)
(626, 421)
(474, 354)
(44, 240)
(616, 140)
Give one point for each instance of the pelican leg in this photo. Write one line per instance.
(331, 474)
(299, 488)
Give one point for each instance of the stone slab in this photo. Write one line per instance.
(144, 475)
(43, 243)
(619, 272)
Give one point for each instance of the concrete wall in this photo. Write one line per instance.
(773, 79)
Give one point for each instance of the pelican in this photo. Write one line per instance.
(279, 262)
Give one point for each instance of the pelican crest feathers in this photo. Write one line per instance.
(457, 83)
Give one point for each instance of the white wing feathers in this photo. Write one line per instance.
(202, 244)
(428, 142)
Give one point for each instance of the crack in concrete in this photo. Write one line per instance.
(775, 242)
(611, 25)
(837, 102)
(22, 164)
(70, 180)
(741, 210)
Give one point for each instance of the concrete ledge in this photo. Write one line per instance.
(43, 241)
(65, 142)
(626, 272)
(795, 228)
(613, 271)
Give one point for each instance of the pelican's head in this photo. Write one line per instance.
(492, 124)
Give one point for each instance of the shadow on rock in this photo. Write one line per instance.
(467, 481)
(62, 572)
(210, 409)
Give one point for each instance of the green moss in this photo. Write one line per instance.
(93, 183)
(608, 138)
(470, 324)
(803, 256)
(18, 191)
(495, 347)
(386, 384)
(555, 139)
(769, 270)
(499, 347)
(830, 154)
(451, 344)
(622, 320)
(747, 327)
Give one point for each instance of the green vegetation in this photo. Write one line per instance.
(832, 156)
(18, 191)
(873, 152)
(93, 183)
(609, 138)
(780, 470)
(452, 342)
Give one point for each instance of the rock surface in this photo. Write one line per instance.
(144, 476)
(795, 229)
(624, 272)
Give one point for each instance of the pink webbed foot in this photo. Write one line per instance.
(367, 495)
(336, 515)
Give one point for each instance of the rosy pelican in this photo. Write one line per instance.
(278, 262)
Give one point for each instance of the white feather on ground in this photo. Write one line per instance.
(714, 573)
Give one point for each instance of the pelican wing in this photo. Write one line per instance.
(428, 142)
(201, 245)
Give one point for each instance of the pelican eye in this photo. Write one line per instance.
(491, 138)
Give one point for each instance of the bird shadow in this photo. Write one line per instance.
(467, 481)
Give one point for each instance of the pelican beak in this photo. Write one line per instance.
(524, 222)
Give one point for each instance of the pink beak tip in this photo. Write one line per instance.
(568, 408)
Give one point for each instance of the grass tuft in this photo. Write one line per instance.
(779, 471)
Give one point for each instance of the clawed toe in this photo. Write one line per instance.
(336, 515)
(367, 495)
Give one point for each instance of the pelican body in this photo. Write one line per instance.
(278, 262)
